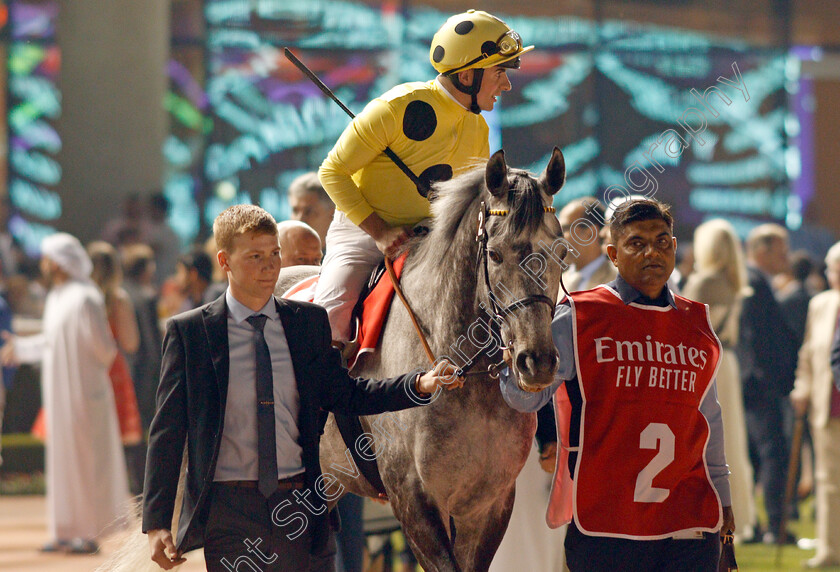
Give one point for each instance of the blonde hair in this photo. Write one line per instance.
(718, 249)
(107, 270)
(238, 220)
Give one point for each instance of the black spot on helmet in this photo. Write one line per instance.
(464, 27)
(473, 40)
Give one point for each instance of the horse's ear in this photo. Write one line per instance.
(555, 174)
(495, 175)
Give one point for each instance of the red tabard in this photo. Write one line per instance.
(643, 371)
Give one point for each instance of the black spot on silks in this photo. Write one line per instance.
(489, 47)
(464, 27)
(435, 174)
(438, 54)
(419, 121)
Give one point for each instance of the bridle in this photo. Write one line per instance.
(500, 314)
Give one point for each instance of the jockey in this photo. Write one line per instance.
(435, 127)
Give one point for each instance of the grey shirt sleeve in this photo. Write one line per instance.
(715, 457)
(562, 332)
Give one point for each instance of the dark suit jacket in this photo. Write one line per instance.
(767, 346)
(794, 305)
(145, 363)
(191, 403)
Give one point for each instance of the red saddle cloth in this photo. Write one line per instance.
(374, 308)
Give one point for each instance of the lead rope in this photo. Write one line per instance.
(493, 371)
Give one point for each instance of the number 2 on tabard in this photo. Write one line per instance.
(655, 436)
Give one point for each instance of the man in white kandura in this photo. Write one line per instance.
(86, 475)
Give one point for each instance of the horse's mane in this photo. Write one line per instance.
(458, 202)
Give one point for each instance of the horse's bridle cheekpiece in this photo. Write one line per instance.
(500, 314)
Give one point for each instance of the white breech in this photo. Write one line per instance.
(351, 257)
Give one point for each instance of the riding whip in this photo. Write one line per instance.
(422, 186)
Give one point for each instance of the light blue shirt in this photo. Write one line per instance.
(561, 331)
(238, 450)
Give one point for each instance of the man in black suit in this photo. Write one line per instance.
(767, 351)
(243, 380)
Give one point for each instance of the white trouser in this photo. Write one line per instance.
(351, 257)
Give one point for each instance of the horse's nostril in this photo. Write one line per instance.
(524, 362)
(531, 363)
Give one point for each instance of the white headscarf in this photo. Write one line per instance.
(66, 251)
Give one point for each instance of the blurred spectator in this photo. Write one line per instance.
(816, 280)
(85, 467)
(193, 274)
(311, 204)
(720, 280)
(220, 283)
(9, 251)
(160, 236)
(26, 291)
(139, 283)
(685, 263)
(127, 228)
(815, 392)
(107, 275)
(794, 297)
(8, 372)
(299, 244)
(767, 356)
(582, 221)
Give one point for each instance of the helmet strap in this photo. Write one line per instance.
(471, 90)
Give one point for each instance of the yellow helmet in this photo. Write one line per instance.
(475, 40)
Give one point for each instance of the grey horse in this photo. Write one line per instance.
(450, 468)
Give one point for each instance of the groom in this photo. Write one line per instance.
(243, 380)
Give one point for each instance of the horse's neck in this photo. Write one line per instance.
(442, 289)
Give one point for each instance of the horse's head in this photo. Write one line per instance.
(523, 258)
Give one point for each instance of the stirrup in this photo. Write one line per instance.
(347, 349)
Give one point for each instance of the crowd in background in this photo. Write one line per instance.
(774, 312)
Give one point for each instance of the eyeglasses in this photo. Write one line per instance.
(509, 44)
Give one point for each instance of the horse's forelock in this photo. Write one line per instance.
(458, 198)
(525, 203)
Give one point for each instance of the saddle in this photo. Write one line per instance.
(369, 313)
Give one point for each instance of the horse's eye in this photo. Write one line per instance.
(495, 256)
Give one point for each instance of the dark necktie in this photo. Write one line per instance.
(266, 448)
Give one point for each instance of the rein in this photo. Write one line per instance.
(500, 314)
